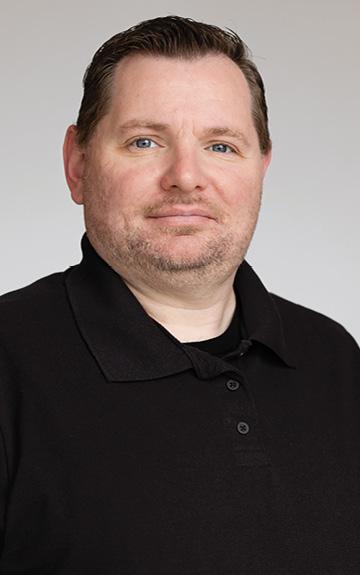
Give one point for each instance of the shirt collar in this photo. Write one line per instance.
(128, 345)
(260, 314)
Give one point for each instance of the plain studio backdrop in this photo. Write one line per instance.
(306, 247)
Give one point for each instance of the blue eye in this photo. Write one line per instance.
(222, 148)
(143, 143)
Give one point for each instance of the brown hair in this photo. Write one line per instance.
(174, 37)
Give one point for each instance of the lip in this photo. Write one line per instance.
(187, 212)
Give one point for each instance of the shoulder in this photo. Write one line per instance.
(42, 288)
(310, 331)
(307, 318)
(35, 288)
(22, 308)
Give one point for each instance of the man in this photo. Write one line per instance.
(161, 412)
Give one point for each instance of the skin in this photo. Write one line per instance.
(171, 185)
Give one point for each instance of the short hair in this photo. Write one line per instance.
(173, 37)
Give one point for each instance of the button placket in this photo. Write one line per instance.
(239, 411)
(240, 421)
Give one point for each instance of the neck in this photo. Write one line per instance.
(189, 315)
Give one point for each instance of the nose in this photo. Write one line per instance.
(184, 172)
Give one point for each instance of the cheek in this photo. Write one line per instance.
(131, 185)
(108, 190)
(241, 191)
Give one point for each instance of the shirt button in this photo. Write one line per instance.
(232, 384)
(243, 427)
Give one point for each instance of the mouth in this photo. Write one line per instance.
(182, 215)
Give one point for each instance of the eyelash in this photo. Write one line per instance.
(232, 150)
(133, 144)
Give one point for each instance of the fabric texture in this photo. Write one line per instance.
(125, 452)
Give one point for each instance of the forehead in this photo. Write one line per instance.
(201, 85)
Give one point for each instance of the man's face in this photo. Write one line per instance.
(172, 177)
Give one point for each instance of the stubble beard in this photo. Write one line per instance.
(135, 251)
(154, 256)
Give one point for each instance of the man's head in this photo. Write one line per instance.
(172, 37)
(169, 153)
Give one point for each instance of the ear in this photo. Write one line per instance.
(266, 161)
(74, 163)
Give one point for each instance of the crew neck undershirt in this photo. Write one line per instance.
(226, 342)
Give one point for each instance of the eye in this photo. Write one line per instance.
(143, 143)
(222, 148)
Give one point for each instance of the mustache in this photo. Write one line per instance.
(185, 200)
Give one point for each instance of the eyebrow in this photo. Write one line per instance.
(227, 132)
(217, 131)
(134, 124)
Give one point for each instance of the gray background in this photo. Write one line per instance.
(307, 242)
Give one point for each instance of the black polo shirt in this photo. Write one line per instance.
(125, 452)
